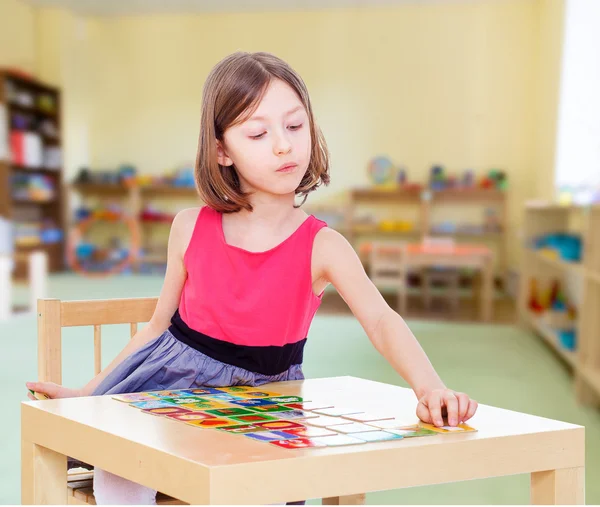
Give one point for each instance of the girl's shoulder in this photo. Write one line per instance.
(183, 227)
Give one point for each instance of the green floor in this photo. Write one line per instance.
(497, 365)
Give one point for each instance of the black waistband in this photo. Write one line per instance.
(267, 360)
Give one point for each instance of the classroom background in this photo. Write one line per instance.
(465, 172)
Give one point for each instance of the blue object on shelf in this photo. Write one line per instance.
(567, 338)
(568, 246)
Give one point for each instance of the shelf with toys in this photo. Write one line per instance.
(123, 195)
(559, 295)
(393, 206)
(31, 193)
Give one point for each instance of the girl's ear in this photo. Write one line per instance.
(222, 157)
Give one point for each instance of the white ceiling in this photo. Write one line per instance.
(133, 7)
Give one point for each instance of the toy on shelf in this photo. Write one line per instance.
(534, 298)
(381, 171)
(152, 214)
(33, 187)
(567, 247)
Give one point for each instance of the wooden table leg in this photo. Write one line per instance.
(558, 487)
(345, 500)
(487, 290)
(43, 475)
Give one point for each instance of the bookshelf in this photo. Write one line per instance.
(584, 276)
(32, 196)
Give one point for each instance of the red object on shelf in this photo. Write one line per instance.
(17, 142)
(534, 303)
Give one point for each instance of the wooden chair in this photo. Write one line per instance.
(448, 277)
(53, 315)
(386, 268)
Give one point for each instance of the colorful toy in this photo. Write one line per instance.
(534, 302)
(568, 247)
(381, 170)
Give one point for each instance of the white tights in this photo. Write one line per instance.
(110, 489)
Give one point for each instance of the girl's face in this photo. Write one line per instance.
(271, 149)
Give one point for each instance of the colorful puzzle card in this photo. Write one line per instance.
(235, 389)
(448, 429)
(414, 432)
(166, 394)
(338, 439)
(376, 436)
(201, 407)
(295, 414)
(352, 428)
(166, 411)
(258, 394)
(282, 400)
(241, 429)
(200, 391)
(270, 408)
(213, 423)
(311, 431)
(185, 400)
(152, 404)
(298, 443)
(269, 436)
(229, 411)
(250, 403)
(279, 425)
(191, 416)
(253, 418)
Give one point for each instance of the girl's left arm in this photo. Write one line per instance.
(336, 262)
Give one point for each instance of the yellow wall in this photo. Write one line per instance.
(17, 35)
(468, 85)
(549, 48)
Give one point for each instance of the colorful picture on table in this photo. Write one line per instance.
(253, 418)
(213, 423)
(166, 410)
(298, 443)
(191, 416)
(269, 436)
(241, 429)
(280, 425)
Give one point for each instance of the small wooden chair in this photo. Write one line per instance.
(53, 315)
(388, 269)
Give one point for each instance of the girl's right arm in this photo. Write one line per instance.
(168, 301)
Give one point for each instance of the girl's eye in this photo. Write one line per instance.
(295, 127)
(258, 136)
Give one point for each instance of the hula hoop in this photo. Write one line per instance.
(76, 235)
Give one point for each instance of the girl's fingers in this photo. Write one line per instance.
(471, 410)
(463, 406)
(451, 403)
(435, 409)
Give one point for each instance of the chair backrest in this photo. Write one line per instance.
(385, 262)
(54, 314)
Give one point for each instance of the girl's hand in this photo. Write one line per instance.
(52, 390)
(444, 404)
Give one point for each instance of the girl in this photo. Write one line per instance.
(246, 273)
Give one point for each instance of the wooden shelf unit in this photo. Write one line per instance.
(585, 359)
(134, 198)
(425, 201)
(13, 208)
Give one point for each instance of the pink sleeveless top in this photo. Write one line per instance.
(249, 309)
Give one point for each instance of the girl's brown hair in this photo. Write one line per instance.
(232, 93)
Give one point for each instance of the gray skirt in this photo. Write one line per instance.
(166, 363)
